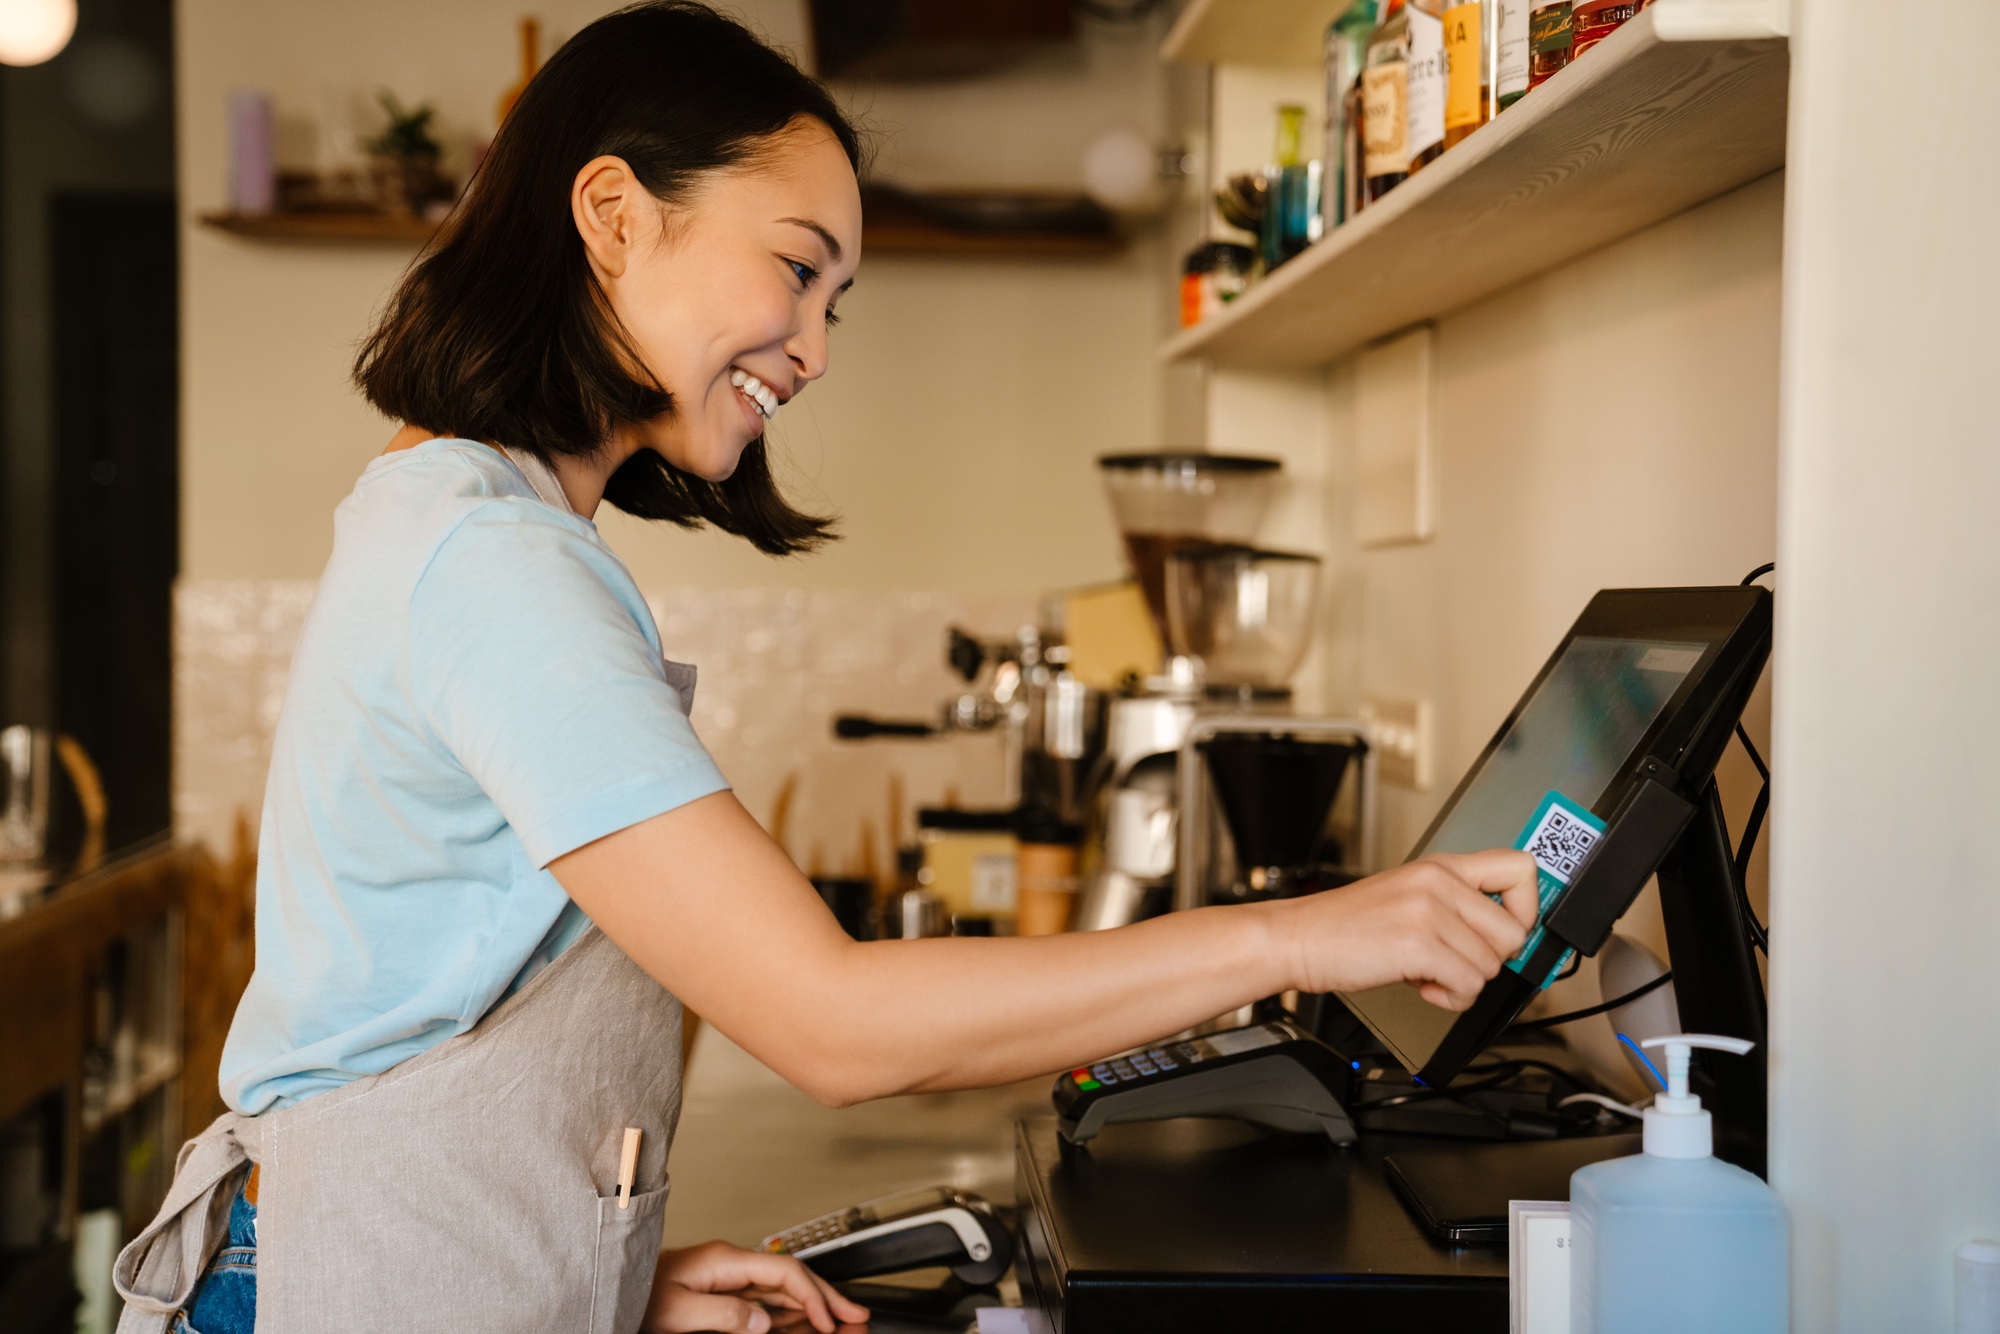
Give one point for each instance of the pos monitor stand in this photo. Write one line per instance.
(1628, 717)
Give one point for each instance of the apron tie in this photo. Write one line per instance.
(157, 1272)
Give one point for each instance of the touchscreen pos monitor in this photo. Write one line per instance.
(1627, 718)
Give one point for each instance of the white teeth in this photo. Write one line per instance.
(761, 395)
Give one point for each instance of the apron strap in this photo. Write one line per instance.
(157, 1272)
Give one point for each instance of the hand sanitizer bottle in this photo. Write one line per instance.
(1675, 1240)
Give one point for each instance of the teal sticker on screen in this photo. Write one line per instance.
(1559, 836)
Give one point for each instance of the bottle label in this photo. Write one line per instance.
(1385, 149)
(1548, 29)
(1510, 60)
(1464, 77)
(1426, 82)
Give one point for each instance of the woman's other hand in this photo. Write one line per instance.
(719, 1287)
(1429, 922)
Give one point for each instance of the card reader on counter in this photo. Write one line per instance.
(1272, 1074)
(914, 1230)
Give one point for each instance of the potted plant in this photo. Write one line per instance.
(404, 158)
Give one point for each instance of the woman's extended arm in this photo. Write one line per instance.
(705, 902)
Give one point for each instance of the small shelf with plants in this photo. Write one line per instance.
(1683, 103)
(964, 223)
(400, 200)
(405, 198)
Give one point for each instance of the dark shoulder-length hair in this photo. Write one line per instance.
(500, 331)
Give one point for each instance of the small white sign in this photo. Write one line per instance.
(1005, 1320)
(993, 884)
(1538, 1266)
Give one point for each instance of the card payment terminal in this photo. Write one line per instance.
(913, 1230)
(1272, 1074)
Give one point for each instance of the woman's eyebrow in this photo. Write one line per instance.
(832, 246)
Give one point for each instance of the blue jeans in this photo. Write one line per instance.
(225, 1300)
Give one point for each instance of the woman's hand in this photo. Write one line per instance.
(719, 1287)
(1429, 922)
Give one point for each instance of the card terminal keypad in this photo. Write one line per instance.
(807, 1235)
(1138, 1066)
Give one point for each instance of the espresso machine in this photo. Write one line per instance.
(1051, 726)
(1216, 790)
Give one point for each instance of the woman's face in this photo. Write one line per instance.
(728, 295)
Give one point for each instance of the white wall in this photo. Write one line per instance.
(1613, 424)
(954, 434)
(1885, 872)
(1609, 424)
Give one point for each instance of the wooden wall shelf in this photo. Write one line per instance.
(1683, 103)
(378, 228)
(900, 237)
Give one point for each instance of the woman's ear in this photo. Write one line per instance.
(608, 204)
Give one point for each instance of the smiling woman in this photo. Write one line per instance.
(495, 857)
(665, 174)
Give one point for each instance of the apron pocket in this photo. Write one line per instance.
(628, 1248)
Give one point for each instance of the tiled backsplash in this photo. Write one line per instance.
(776, 666)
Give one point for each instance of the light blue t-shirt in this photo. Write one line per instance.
(478, 690)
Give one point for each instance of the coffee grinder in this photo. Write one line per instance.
(1235, 620)
(1260, 788)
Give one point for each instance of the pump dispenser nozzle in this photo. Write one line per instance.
(1676, 1125)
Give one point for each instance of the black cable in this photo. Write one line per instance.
(1500, 1074)
(1567, 1076)
(1750, 748)
(1456, 1094)
(1760, 935)
(1574, 1015)
(1575, 962)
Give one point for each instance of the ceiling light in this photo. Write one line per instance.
(32, 31)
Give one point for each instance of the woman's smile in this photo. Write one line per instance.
(762, 400)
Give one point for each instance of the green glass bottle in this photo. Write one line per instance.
(1346, 50)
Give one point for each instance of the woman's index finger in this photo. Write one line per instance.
(1508, 874)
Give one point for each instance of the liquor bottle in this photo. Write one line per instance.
(1426, 82)
(1385, 104)
(1548, 39)
(1591, 21)
(1507, 40)
(1468, 70)
(1292, 199)
(1354, 156)
(1346, 50)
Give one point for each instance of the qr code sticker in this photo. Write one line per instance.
(1561, 842)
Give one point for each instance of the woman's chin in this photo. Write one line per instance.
(709, 465)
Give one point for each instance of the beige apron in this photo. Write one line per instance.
(471, 1187)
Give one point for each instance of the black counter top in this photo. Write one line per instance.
(1213, 1226)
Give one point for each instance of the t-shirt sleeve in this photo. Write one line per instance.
(531, 661)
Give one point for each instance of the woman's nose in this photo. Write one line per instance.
(807, 350)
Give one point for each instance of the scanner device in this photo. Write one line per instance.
(917, 1229)
(1270, 1074)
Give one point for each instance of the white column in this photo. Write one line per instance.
(1885, 977)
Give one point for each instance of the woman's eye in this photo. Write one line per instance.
(831, 318)
(804, 272)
